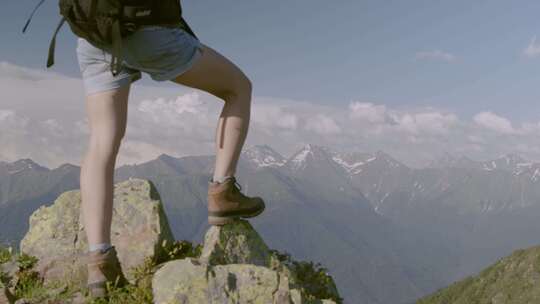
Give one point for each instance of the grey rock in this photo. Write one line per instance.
(58, 239)
(9, 270)
(5, 295)
(234, 243)
(203, 283)
(236, 266)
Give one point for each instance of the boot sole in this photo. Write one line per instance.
(222, 220)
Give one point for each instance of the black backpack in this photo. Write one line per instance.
(106, 22)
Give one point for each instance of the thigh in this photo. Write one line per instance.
(107, 116)
(215, 74)
(94, 64)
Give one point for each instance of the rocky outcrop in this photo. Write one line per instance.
(5, 295)
(234, 244)
(203, 283)
(8, 279)
(58, 239)
(236, 266)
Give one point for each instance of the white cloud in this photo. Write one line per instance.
(367, 111)
(435, 55)
(9, 70)
(51, 127)
(533, 49)
(322, 125)
(6, 114)
(269, 116)
(426, 122)
(186, 112)
(531, 128)
(189, 103)
(494, 122)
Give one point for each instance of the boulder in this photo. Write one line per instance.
(5, 295)
(8, 271)
(204, 283)
(234, 244)
(235, 266)
(58, 239)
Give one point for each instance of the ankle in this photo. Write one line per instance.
(103, 247)
(221, 179)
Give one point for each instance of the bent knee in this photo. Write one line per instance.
(241, 87)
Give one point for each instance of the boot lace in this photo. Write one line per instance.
(236, 186)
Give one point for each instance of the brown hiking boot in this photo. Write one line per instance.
(103, 267)
(226, 202)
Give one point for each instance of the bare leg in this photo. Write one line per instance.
(218, 76)
(107, 114)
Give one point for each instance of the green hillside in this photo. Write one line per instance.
(514, 279)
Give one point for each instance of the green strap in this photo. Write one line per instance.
(117, 57)
(50, 58)
(93, 8)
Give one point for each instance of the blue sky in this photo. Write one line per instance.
(415, 78)
(338, 51)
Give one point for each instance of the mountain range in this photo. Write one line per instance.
(387, 233)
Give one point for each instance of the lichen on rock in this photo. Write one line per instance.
(236, 266)
(58, 239)
(234, 244)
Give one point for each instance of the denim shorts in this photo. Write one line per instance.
(161, 52)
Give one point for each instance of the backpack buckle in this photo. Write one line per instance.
(137, 12)
(129, 26)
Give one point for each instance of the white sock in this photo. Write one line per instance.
(220, 179)
(101, 246)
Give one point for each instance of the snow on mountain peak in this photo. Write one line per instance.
(307, 153)
(298, 160)
(512, 159)
(389, 160)
(263, 156)
(352, 162)
(510, 162)
(355, 162)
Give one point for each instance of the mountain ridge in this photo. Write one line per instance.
(514, 279)
(254, 153)
(370, 207)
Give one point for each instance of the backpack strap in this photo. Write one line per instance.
(32, 15)
(185, 26)
(50, 58)
(117, 57)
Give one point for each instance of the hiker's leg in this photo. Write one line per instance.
(218, 76)
(107, 116)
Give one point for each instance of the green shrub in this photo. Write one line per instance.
(29, 285)
(26, 261)
(141, 291)
(5, 254)
(313, 278)
(178, 250)
(126, 295)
